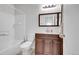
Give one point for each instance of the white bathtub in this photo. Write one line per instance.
(13, 49)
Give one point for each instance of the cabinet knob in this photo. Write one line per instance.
(62, 35)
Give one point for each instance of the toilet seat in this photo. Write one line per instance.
(26, 48)
(26, 44)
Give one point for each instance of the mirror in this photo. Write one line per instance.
(49, 19)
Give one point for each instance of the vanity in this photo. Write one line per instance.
(48, 44)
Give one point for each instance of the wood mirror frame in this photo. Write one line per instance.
(48, 15)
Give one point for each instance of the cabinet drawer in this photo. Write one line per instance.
(46, 36)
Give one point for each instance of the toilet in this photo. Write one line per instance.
(26, 48)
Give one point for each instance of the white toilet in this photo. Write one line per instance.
(26, 48)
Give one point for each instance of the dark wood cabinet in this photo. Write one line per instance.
(48, 44)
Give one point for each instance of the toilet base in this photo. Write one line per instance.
(26, 52)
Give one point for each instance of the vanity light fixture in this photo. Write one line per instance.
(49, 6)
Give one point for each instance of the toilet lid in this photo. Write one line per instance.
(26, 44)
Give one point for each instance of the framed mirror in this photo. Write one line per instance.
(49, 19)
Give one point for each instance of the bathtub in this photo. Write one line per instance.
(13, 49)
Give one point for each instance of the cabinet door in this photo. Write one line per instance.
(57, 47)
(53, 47)
(48, 50)
(39, 47)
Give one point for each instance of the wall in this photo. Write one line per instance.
(71, 29)
(6, 25)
